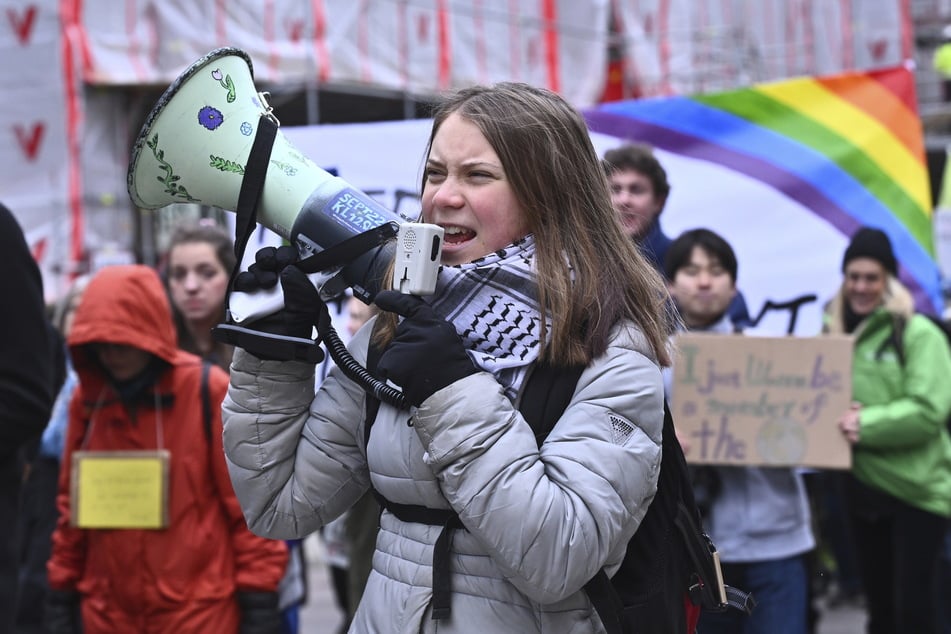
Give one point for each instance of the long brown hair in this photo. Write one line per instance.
(220, 241)
(557, 177)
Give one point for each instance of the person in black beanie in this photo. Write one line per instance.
(898, 493)
(26, 388)
(872, 243)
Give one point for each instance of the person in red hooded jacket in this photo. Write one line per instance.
(199, 570)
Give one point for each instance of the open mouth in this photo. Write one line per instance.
(457, 235)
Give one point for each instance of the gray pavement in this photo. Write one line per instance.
(845, 620)
(321, 615)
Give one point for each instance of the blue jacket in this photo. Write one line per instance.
(654, 245)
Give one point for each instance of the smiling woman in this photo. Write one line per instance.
(898, 492)
(867, 263)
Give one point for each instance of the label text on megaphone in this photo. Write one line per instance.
(355, 213)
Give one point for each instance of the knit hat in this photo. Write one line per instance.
(871, 243)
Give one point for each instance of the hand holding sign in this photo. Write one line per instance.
(849, 423)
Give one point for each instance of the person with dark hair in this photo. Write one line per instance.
(757, 516)
(639, 192)
(38, 509)
(27, 389)
(898, 492)
(192, 565)
(198, 265)
(535, 272)
(702, 244)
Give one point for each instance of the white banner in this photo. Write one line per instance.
(385, 161)
(696, 46)
(40, 119)
(419, 46)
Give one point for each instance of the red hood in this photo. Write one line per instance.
(124, 304)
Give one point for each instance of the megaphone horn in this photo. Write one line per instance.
(195, 146)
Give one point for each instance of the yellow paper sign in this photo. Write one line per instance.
(120, 489)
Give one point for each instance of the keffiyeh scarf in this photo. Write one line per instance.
(493, 303)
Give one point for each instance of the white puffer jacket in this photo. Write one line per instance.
(540, 522)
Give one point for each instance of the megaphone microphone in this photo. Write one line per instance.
(213, 139)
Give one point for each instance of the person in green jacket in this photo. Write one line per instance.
(899, 489)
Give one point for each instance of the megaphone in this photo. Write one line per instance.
(213, 139)
(195, 147)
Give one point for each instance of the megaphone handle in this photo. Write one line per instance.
(252, 186)
(266, 345)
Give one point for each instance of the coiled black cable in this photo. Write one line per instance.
(352, 368)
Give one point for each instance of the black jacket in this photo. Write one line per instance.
(26, 387)
(26, 352)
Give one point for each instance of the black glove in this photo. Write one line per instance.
(426, 353)
(263, 274)
(302, 304)
(303, 309)
(259, 613)
(61, 612)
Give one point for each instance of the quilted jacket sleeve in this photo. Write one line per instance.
(269, 423)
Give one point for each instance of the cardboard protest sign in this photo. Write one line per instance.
(762, 400)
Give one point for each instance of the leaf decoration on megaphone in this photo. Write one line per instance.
(170, 178)
(225, 165)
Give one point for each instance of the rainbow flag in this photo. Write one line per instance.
(847, 147)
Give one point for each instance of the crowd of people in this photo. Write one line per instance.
(448, 513)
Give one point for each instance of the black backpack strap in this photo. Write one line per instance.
(606, 601)
(548, 390)
(442, 550)
(449, 520)
(547, 393)
(601, 590)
